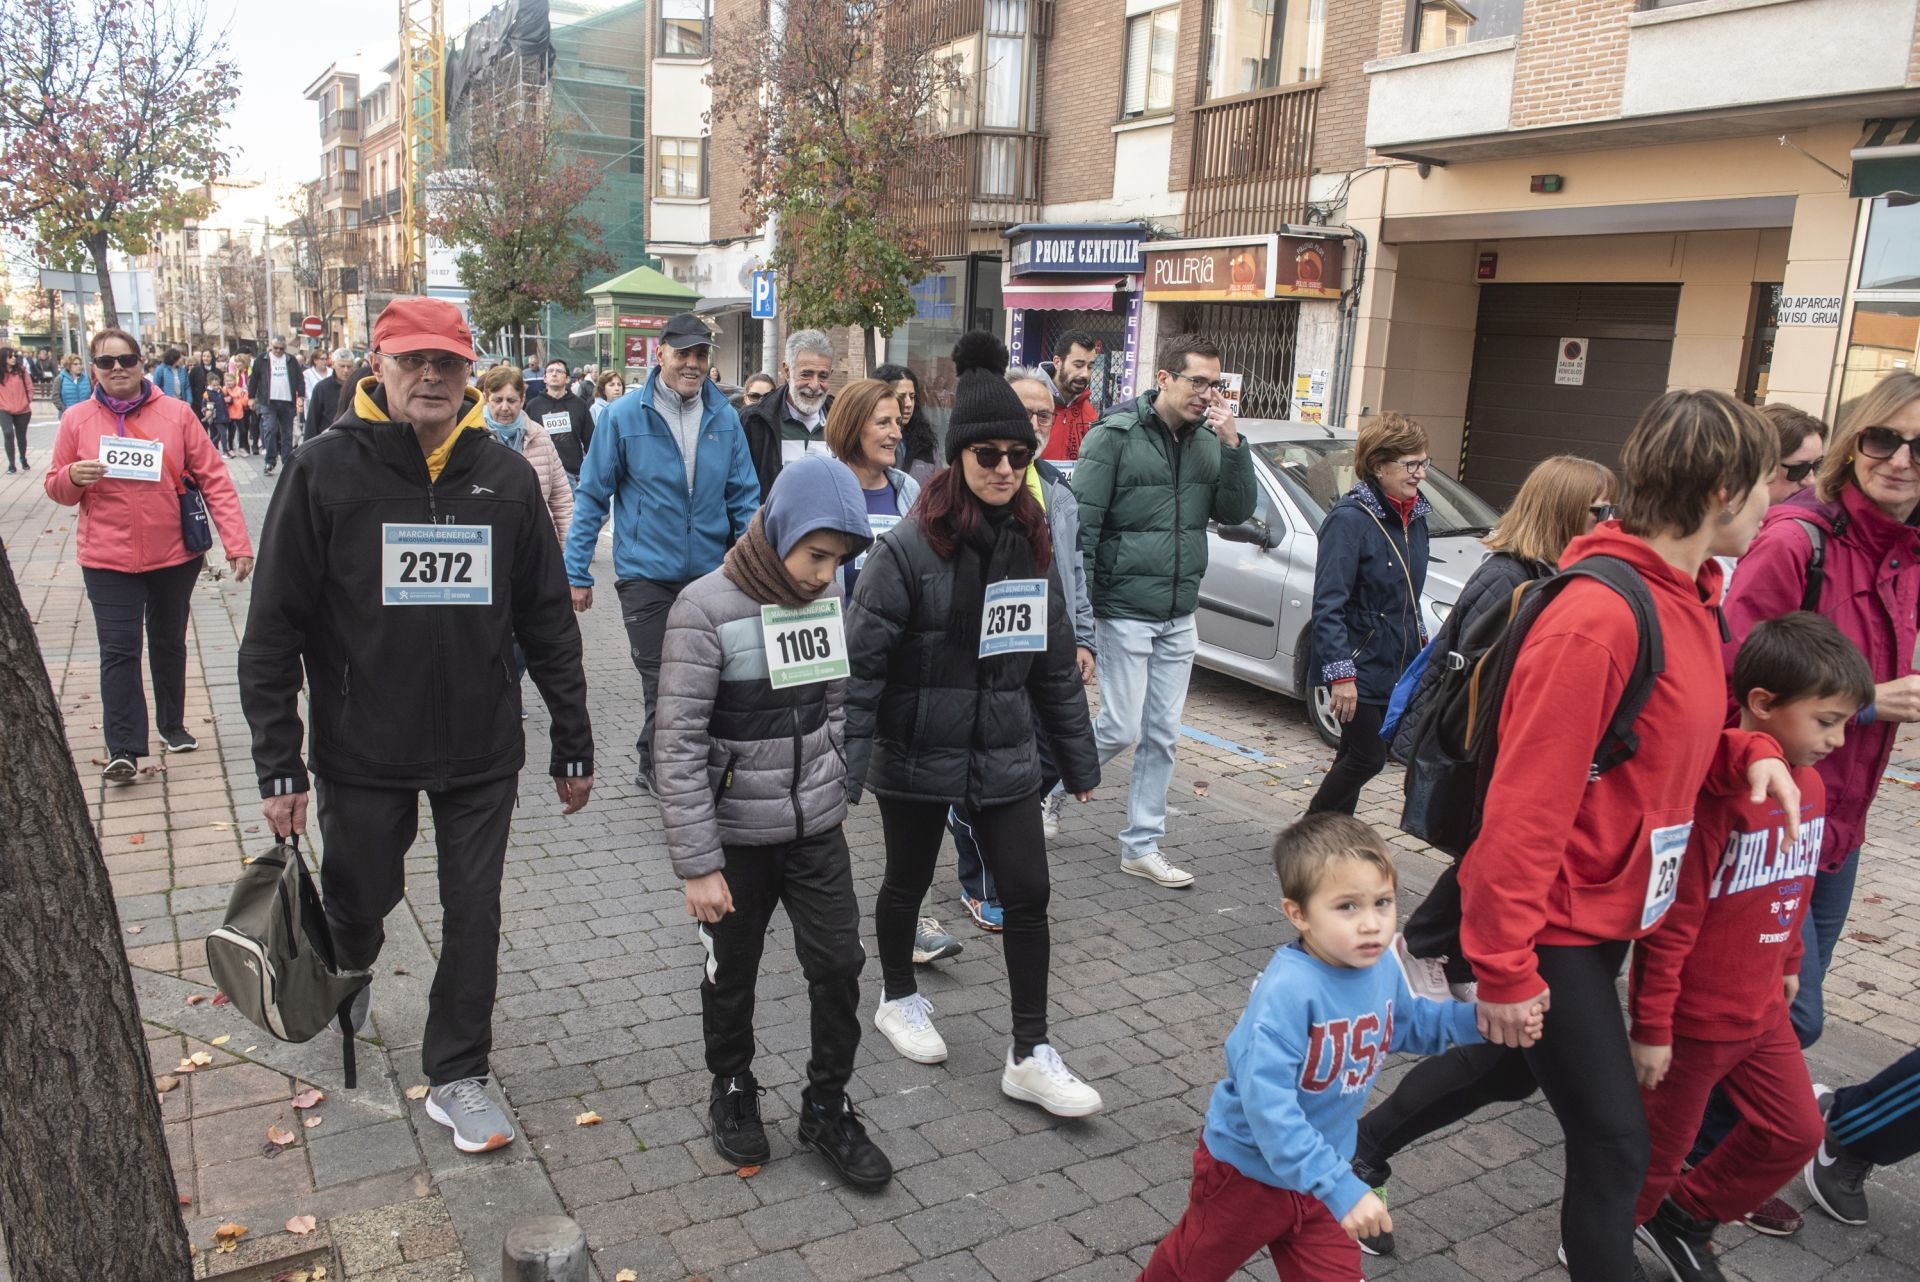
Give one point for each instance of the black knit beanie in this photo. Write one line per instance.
(985, 408)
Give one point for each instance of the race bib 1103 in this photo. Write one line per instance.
(436, 564)
(805, 643)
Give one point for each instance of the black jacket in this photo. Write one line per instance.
(762, 421)
(925, 723)
(1367, 578)
(260, 378)
(323, 406)
(571, 446)
(197, 385)
(405, 696)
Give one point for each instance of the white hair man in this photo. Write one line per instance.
(329, 394)
(791, 420)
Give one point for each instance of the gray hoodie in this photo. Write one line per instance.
(683, 420)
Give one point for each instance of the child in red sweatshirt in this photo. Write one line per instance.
(1711, 985)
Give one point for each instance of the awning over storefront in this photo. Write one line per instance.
(721, 306)
(581, 337)
(1063, 293)
(1887, 160)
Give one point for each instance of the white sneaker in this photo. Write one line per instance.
(1050, 814)
(1426, 976)
(1154, 867)
(1042, 1079)
(908, 1024)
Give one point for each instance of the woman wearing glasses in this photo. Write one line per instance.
(1863, 506)
(1367, 578)
(958, 637)
(125, 457)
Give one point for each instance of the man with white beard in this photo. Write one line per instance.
(791, 420)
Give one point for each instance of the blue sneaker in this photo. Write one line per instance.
(986, 913)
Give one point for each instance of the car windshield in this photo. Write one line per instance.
(1317, 473)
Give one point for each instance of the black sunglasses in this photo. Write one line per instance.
(1604, 511)
(1882, 443)
(1797, 472)
(117, 362)
(989, 456)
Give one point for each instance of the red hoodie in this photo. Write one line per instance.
(1713, 968)
(1560, 859)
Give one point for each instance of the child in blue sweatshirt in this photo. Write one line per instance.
(1273, 1165)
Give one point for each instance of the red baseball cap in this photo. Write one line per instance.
(422, 325)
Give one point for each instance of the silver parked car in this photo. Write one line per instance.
(1256, 602)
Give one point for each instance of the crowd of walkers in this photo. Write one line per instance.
(825, 599)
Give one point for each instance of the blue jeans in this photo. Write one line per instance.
(276, 430)
(1144, 669)
(1819, 933)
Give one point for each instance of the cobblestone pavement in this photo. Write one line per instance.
(599, 1010)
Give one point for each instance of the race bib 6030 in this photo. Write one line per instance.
(436, 564)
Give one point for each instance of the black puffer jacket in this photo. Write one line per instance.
(927, 722)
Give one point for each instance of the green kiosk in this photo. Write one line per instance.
(629, 312)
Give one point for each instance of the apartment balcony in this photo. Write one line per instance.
(970, 182)
(344, 180)
(394, 200)
(344, 121)
(1251, 159)
(1703, 70)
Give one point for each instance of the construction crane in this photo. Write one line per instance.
(423, 120)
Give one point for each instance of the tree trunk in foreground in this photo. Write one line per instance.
(86, 1191)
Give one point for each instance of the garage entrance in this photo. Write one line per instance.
(1524, 405)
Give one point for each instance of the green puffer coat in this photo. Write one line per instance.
(1145, 500)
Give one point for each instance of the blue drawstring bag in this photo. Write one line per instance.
(1403, 689)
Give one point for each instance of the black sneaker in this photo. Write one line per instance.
(839, 1137)
(120, 770)
(1375, 1178)
(734, 1112)
(1838, 1181)
(1682, 1243)
(179, 741)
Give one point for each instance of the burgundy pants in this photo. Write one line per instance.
(1230, 1217)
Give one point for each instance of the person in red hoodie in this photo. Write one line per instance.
(1710, 986)
(1568, 870)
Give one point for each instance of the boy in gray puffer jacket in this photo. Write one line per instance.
(750, 758)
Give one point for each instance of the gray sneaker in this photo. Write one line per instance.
(476, 1119)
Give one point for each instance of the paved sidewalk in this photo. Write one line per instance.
(599, 1010)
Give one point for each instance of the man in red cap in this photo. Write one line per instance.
(406, 552)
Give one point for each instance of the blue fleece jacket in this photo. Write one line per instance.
(1300, 1063)
(662, 528)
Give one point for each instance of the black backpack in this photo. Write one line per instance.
(1817, 559)
(274, 957)
(1455, 742)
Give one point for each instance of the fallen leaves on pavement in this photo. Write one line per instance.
(313, 1121)
(279, 1135)
(308, 1098)
(222, 1040)
(202, 1058)
(134, 930)
(226, 1238)
(588, 1118)
(196, 998)
(626, 1275)
(137, 839)
(417, 1092)
(221, 999)
(301, 1225)
(164, 1084)
(747, 1172)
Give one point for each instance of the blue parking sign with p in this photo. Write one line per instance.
(762, 295)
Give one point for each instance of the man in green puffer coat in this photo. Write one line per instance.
(1151, 474)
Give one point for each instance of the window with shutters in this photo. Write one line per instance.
(1151, 41)
(681, 168)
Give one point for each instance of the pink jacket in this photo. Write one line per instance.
(134, 526)
(553, 477)
(1872, 593)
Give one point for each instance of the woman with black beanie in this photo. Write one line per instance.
(958, 636)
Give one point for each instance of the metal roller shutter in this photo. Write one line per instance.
(1256, 341)
(1518, 415)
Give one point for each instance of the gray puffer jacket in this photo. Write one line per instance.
(737, 762)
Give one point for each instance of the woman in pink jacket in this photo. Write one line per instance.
(124, 457)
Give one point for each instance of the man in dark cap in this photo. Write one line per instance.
(394, 598)
(671, 465)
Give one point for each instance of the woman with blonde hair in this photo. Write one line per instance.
(1367, 578)
(505, 393)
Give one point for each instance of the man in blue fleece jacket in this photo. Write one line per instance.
(1273, 1167)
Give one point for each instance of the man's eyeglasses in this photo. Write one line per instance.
(1202, 384)
(1415, 466)
(117, 362)
(1882, 443)
(989, 457)
(1604, 511)
(1798, 472)
(444, 366)
(1041, 418)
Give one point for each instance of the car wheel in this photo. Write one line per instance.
(1320, 715)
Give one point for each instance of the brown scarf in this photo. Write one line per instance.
(754, 565)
